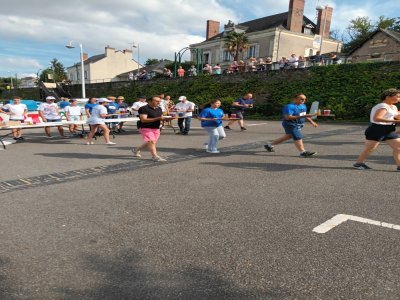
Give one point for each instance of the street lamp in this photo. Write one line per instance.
(70, 46)
(12, 85)
(137, 46)
(52, 67)
(321, 8)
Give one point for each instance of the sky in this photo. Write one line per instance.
(32, 33)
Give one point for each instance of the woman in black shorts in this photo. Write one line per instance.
(384, 117)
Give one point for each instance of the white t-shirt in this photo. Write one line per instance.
(180, 106)
(391, 112)
(73, 110)
(137, 105)
(50, 110)
(17, 110)
(95, 117)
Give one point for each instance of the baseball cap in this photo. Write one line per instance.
(181, 98)
(100, 100)
(111, 97)
(120, 98)
(50, 98)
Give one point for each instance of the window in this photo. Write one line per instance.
(86, 75)
(307, 31)
(71, 77)
(251, 52)
(78, 76)
(227, 56)
(206, 58)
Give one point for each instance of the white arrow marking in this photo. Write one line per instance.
(341, 218)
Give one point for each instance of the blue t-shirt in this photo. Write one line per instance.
(242, 101)
(63, 104)
(112, 107)
(211, 113)
(292, 109)
(90, 106)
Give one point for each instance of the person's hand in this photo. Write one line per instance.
(314, 124)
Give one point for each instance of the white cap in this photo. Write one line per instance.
(100, 100)
(50, 98)
(181, 98)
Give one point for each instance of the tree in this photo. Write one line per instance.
(56, 71)
(152, 61)
(361, 27)
(235, 43)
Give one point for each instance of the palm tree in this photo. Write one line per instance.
(235, 43)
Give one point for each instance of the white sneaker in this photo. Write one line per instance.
(136, 153)
(89, 143)
(213, 151)
(205, 146)
(158, 159)
(111, 143)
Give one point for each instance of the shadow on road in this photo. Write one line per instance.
(126, 276)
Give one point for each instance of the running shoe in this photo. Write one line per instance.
(243, 128)
(158, 159)
(227, 127)
(307, 154)
(136, 153)
(362, 166)
(398, 168)
(213, 151)
(111, 143)
(269, 148)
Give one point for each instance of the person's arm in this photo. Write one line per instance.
(145, 119)
(380, 116)
(41, 114)
(87, 111)
(66, 111)
(311, 121)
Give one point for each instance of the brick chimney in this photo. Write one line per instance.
(85, 56)
(324, 17)
(295, 15)
(212, 29)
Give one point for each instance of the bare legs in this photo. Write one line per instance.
(370, 146)
(93, 128)
(151, 146)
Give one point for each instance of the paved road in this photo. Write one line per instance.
(91, 222)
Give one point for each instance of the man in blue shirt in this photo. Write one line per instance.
(294, 117)
(112, 109)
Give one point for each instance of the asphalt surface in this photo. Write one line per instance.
(91, 222)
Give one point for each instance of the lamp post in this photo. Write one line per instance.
(70, 46)
(137, 46)
(322, 8)
(11, 79)
(52, 67)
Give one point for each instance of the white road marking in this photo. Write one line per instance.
(341, 218)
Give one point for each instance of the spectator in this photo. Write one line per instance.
(268, 64)
(252, 65)
(167, 73)
(294, 117)
(181, 72)
(149, 127)
(283, 63)
(73, 113)
(123, 108)
(293, 61)
(112, 109)
(261, 65)
(143, 75)
(185, 110)
(207, 70)
(241, 66)
(318, 59)
(301, 62)
(211, 120)
(234, 66)
(238, 108)
(217, 69)
(63, 104)
(336, 60)
(384, 117)
(192, 71)
(138, 104)
(49, 112)
(97, 120)
(17, 112)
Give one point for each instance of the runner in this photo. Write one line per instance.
(294, 117)
(384, 117)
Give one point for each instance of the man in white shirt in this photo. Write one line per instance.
(49, 112)
(138, 104)
(184, 110)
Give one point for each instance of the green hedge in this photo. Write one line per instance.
(348, 90)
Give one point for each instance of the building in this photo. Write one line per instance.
(28, 82)
(380, 45)
(273, 36)
(103, 67)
